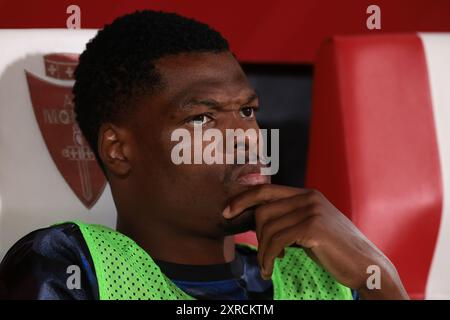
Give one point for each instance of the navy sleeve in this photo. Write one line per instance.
(36, 267)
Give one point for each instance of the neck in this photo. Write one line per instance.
(166, 244)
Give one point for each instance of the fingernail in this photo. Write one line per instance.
(265, 276)
(227, 212)
(263, 272)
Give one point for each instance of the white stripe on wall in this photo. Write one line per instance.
(437, 54)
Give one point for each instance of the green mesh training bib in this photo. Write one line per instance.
(125, 271)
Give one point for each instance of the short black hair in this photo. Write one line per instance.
(117, 67)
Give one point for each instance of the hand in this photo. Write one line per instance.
(288, 216)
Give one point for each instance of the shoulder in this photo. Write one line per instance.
(61, 242)
(38, 265)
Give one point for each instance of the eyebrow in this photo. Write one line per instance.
(211, 103)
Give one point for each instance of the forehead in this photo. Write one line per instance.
(218, 75)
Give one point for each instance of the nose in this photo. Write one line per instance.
(246, 140)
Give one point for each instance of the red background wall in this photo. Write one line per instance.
(286, 31)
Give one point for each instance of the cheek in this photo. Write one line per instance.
(199, 182)
(178, 159)
(200, 187)
(200, 176)
(196, 190)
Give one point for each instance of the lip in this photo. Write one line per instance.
(253, 179)
(250, 175)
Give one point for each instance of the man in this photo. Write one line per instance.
(142, 77)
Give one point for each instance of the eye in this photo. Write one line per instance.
(247, 112)
(199, 120)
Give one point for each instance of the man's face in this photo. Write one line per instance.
(204, 90)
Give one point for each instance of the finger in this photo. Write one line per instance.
(276, 225)
(275, 209)
(281, 255)
(258, 195)
(299, 233)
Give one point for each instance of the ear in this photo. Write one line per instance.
(113, 148)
